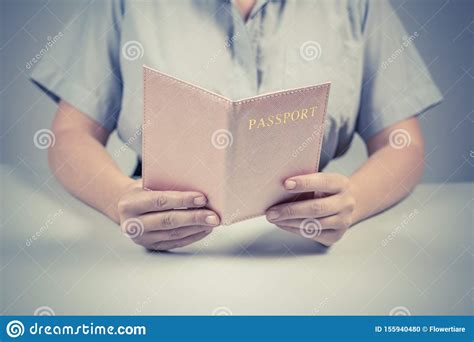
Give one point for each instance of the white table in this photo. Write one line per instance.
(82, 264)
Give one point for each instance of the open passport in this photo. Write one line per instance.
(237, 153)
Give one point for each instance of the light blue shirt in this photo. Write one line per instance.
(377, 75)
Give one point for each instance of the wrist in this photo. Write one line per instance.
(357, 214)
(123, 186)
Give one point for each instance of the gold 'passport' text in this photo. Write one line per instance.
(282, 118)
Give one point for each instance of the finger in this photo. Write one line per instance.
(151, 201)
(167, 245)
(322, 182)
(329, 222)
(153, 237)
(326, 237)
(179, 218)
(319, 207)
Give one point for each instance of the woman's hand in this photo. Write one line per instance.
(324, 219)
(163, 220)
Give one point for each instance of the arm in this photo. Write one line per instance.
(80, 162)
(389, 174)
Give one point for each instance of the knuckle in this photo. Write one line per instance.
(161, 201)
(323, 181)
(181, 201)
(318, 207)
(139, 240)
(346, 223)
(350, 203)
(174, 234)
(341, 224)
(338, 235)
(345, 182)
(123, 205)
(289, 211)
(325, 242)
(167, 220)
(306, 183)
(196, 217)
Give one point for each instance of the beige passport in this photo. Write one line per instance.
(238, 153)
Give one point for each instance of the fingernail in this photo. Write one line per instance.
(212, 219)
(273, 214)
(290, 184)
(201, 200)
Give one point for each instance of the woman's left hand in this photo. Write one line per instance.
(323, 219)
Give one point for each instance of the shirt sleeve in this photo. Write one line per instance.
(396, 82)
(81, 65)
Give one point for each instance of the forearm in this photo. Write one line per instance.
(385, 178)
(84, 167)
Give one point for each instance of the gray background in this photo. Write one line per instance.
(445, 42)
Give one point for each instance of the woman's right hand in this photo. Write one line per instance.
(163, 220)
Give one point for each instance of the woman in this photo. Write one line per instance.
(239, 49)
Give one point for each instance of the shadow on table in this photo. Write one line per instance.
(272, 244)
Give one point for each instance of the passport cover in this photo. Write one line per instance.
(238, 153)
